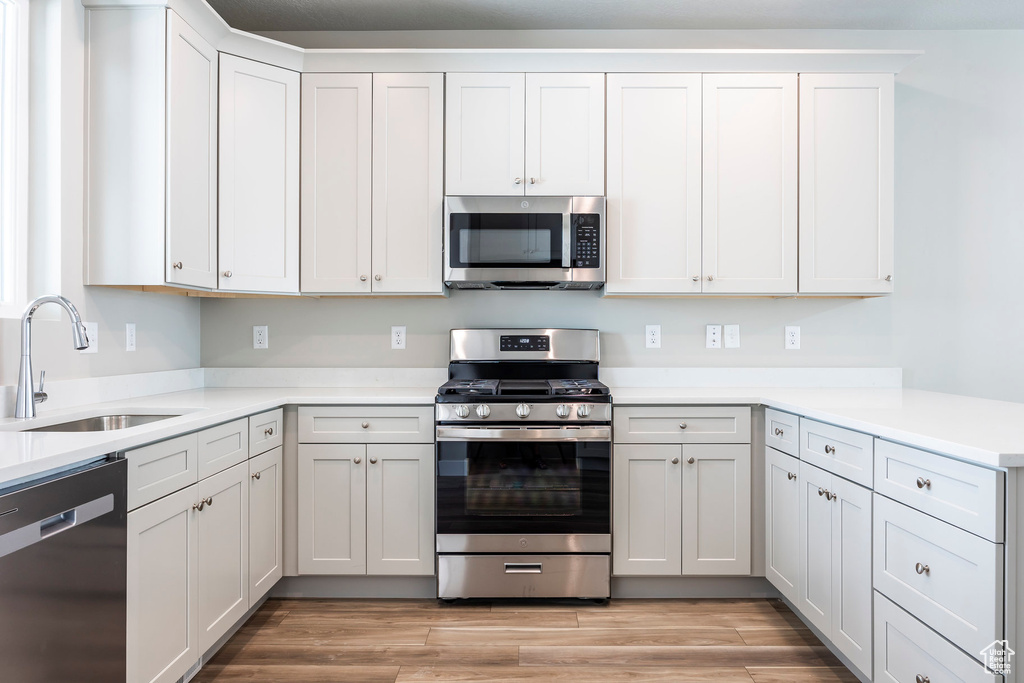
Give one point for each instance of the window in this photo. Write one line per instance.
(13, 156)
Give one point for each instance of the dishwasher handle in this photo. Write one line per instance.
(42, 529)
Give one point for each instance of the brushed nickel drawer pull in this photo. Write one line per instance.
(675, 461)
(682, 425)
(778, 432)
(922, 568)
(357, 460)
(923, 483)
(690, 460)
(209, 501)
(921, 678)
(256, 475)
(831, 496)
(830, 450)
(199, 506)
(821, 491)
(177, 265)
(791, 475)
(366, 425)
(373, 461)
(269, 431)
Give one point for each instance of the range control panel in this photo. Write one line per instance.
(525, 343)
(586, 248)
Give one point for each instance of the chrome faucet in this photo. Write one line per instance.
(28, 397)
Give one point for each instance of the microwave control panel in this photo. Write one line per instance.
(586, 248)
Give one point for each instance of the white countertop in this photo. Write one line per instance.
(982, 431)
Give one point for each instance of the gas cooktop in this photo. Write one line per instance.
(517, 389)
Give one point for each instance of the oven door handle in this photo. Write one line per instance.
(524, 434)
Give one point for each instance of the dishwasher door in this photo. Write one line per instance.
(63, 573)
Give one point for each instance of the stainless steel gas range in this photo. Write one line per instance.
(523, 466)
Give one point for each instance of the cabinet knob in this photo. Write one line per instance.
(675, 461)
(690, 460)
(533, 181)
(227, 273)
(177, 265)
(921, 678)
(821, 491)
(710, 278)
(373, 460)
(377, 277)
(209, 502)
(696, 278)
(269, 431)
(888, 278)
(830, 496)
(923, 483)
(922, 568)
(518, 181)
(778, 432)
(357, 460)
(199, 506)
(830, 449)
(791, 475)
(366, 425)
(682, 425)
(362, 278)
(255, 475)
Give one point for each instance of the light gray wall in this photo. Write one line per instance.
(167, 326)
(955, 323)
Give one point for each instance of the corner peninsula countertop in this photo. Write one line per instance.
(981, 431)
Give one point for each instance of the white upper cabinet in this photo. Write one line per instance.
(408, 183)
(259, 177)
(846, 183)
(191, 157)
(750, 184)
(336, 182)
(564, 134)
(485, 140)
(654, 184)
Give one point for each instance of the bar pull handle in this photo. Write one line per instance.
(57, 523)
(523, 568)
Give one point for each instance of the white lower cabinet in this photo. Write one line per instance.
(681, 509)
(834, 581)
(782, 521)
(266, 564)
(366, 509)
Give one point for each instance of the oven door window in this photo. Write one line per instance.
(506, 240)
(520, 487)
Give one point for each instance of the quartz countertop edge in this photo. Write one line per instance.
(980, 431)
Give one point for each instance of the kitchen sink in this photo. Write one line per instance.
(102, 423)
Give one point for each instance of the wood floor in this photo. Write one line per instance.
(719, 641)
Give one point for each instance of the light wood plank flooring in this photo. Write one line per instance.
(398, 641)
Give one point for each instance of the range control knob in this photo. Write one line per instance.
(462, 410)
(483, 411)
(563, 410)
(583, 409)
(523, 410)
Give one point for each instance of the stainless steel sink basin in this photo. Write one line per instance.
(102, 423)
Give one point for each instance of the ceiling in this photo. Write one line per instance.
(405, 15)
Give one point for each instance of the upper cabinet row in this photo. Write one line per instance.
(714, 181)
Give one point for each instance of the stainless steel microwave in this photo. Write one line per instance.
(524, 242)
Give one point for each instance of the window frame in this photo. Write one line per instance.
(14, 96)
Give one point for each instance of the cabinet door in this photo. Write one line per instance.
(408, 188)
(851, 571)
(223, 552)
(266, 544)
(646, 510)
(782, 521)
(814, 597)
(716, 509)
(163, 592)
(336, 179)
(485, 144)
(191, 203)
(565, 134)
(654, 180)
(259, 176)
(750, 183)
(400, 509)
(332, 509)
(846, 183)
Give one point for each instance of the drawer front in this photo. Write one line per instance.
(948, 578)
(159, 469)
(962, 494)
(681, 424)
(366, 424)
(522, 576)
(266, 431)
(223, 446)
(782, 431)
(839, 451)
(907, 651)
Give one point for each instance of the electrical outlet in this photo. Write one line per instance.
(792, 337)
(398, 336)
(260, 337)
(129, 336)
(714, 339)
(652, 336)
(92, 330)
(732, 336)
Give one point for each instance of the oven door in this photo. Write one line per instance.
(511, 239)
(510, 489)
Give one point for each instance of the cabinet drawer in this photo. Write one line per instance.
(840, 451)
(366, 424)
(266, 431)
(782, 431)
(906, 649)
(223, 446)
(162, 468)
(962, 494)
(681, 424)
(948, 578)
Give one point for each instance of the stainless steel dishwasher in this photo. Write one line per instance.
(63, 572)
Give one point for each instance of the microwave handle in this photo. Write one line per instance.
(567, 240)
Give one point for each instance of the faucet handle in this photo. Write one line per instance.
(40, 396)
(42, 379)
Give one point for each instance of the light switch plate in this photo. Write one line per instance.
(652, 337)
(732, 336)
(92, 330)
(714, 340)
(792, 338)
